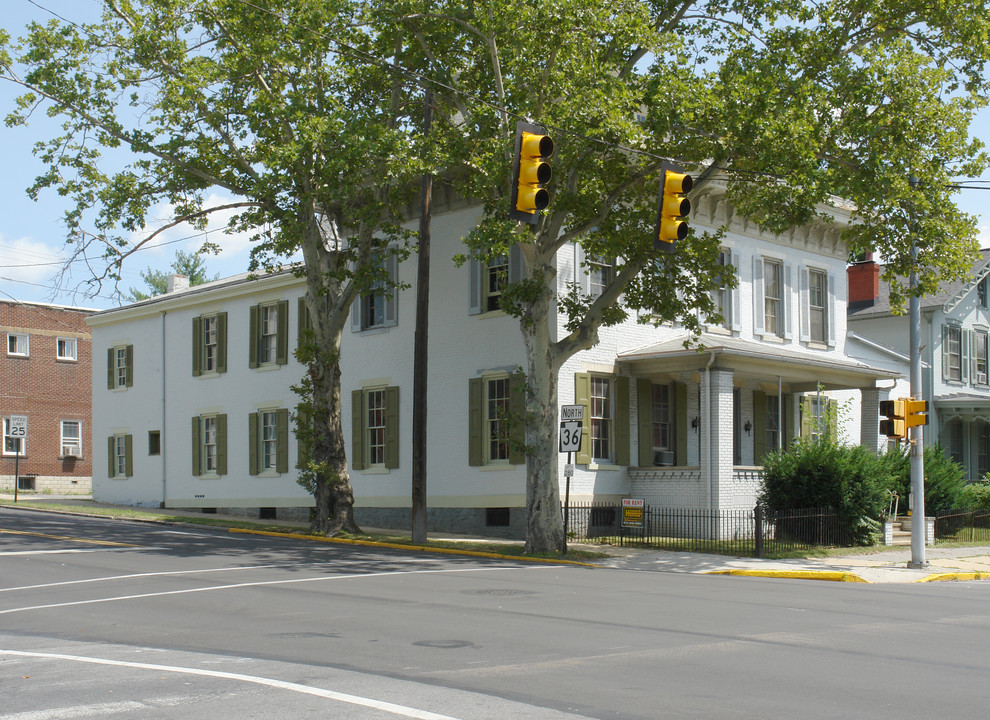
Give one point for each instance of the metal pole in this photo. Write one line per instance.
(916, 434)
(567, 506)
(17, 458)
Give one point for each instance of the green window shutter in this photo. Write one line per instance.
(111, 376)
(357, 429)
(759, 426)
(282, 337)
(833, 419)
(582, 396)
(788, 420)
(302, 443)
(128, 455)
(476, 422)
(807, 421)
(517, 411)
(392, 427)
(197, 346)
(253, 443)
(130, 366)
(253, 319)
(221, 444)
(680, 423)
(622, 434)
(222, 342)
(111, 452)
(282, 440)
(644, 421)
(196, 448)
(303, 321)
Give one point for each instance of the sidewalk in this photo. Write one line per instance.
(885, 566)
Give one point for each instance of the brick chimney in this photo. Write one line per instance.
(177, 282)
(864, 282)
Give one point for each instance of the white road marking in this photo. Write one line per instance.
(388, 707)
(52, 552)
(137, 575)
(263, 583)
(78, 711)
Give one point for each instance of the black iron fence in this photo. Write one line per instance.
(729, 532)
(971, 526)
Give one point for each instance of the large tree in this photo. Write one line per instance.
(792, 106)
(292, 110)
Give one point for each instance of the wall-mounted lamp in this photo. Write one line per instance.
(748, 426)
(695, 422)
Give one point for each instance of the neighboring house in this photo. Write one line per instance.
(955, 323)
(193, 406)
(45, 370)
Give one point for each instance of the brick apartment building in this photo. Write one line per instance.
(45, 375)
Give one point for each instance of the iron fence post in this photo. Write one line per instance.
(758, 534)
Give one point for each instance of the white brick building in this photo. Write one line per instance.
(192, 406)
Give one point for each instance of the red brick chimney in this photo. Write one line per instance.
(864, 282)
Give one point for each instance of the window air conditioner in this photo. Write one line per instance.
(981, 378)
(70, 451)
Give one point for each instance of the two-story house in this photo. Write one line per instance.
(955, 323)
(193, 406)
(45, 369)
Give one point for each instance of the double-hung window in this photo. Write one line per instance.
(66, 349)
(605, 433)
(497, 403)
(601, 272)
(209, 444)
(209, 352)
(269, 334)
(119, 456)
(71, 438)
(120, 367)
(375, 428)
(488, 280)
(496, 277)
(952, 352)
(978, 343)
(377, 307)
(818, 305)
(773, 296)
(268, 441)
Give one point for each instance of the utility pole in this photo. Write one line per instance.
(421, 346)
(916, 444)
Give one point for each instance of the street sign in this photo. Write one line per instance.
(632, 512)
(571, 412)
(570, 436)
(17, 426)
(568, 470)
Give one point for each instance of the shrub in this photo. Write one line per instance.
(945, 486)
(977, 495)
(849, 480)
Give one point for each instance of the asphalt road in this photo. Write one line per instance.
(102, 618)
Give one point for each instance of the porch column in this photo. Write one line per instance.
(869, 418)
(720, 436)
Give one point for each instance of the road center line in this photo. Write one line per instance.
(402, 710)
(133, 575)
(263, 583)
(86, 541)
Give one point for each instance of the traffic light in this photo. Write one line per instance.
(530, 172)
(915, 412)
(894, 426)
(672, 206)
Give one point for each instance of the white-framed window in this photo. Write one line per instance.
(496, 276)
(375, 426)
(601, 272)
(663, 435)
(773, 423)
(981, 292)
(497, 399)
(120, 367)
(773, 297)
(723, 296)
(269, 440)
(71, 438)
(120, 456)
(268, 340)
(211, 338)
(952, 352)
(979, 352)
(66, 349)
(818, 305)
(602, 415)
(18, 344)
(13, 445)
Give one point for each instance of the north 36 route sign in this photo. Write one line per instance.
(570, 436)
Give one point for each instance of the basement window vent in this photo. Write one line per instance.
(497, 517)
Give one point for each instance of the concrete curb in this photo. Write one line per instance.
(416, 548)
(832, 575)
(955, 577)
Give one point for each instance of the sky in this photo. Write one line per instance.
(32, 234)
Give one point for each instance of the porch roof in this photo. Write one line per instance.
(762, 361)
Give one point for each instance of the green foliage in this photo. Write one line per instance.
(976, 496)
(849, 480)
(192, 265)
(944, 478)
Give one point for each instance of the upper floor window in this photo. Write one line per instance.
(818, 305)
(496, 277)
(773, 297)
(979, 351)
(269, 334)
(120, 367)
(209, 352)
(17, 344)
(71, 438)
(488, 280)
(66, 349)
(981, 291)
(952, 352)
(723, 296)
(377, 307)
(601, 272)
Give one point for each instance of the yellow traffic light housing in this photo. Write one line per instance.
(530, 173)
(894, 427)
(673, 206)
(915, 412)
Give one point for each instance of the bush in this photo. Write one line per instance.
(977, 495)
(945, 484)
(850, 480)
